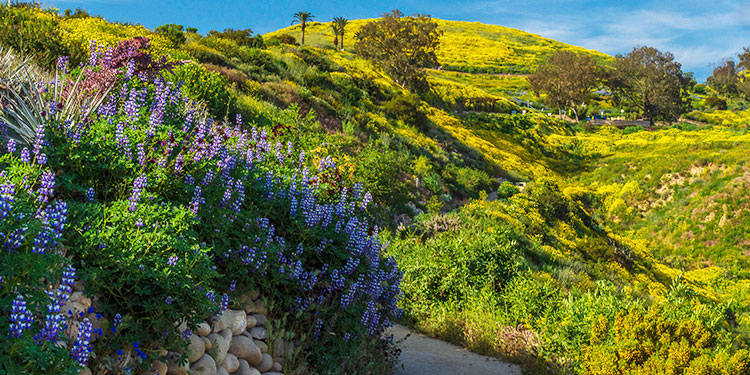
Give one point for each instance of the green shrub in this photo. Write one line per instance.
(716, 103)
(201, 84)
(407, 109)
(206, 54)
(379, 169)
(174, 33)
(469, 180)
(33, 32)
(549, 199)
(506, 190)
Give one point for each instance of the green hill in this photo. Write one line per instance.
(465, 46)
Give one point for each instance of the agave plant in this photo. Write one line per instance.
(29, 99)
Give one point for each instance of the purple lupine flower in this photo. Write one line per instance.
(53, 320)
(107, 58)
(68, 279)
(47, 186)
(130, 70)
(178, 164)
(168, 300)
(90, 194)
(41, 159)
(81, 349)
(138, 185)
(224, 303)
(93, 53)
(54, 107)
(11, 145)
(366, 200)
(210, 174)
(233, 286)
(117, 320)
(196, 201)
(7, 196)
(173, 260)
(141, 154)
(317, 329)
(20, 317)
(132, 105)
(211, 296)
(62, 64)
(25, 155)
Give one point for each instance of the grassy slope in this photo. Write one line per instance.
(465, 46)
(683, 194)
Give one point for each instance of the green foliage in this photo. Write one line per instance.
(241, 37)
(210, 87)
(402, 46)
(173, 32)
(379, 169)
(716, 103)
(567, 79)
(652, 82)
(32, 32)
(407, 109)
(507, 190)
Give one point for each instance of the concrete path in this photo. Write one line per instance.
(422, 355)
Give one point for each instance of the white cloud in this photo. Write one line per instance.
(698, 34)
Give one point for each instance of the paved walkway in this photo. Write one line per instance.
(422, 355)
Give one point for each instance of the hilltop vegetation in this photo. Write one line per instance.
(471, 47)
(567, 247)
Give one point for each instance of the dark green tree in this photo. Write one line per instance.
(302, 18)
(651, 82)
(403, 46)
(725, 78)
(172, 32)
(243, 37)
(568, 79)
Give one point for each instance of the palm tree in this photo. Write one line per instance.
(340, 25)
(302, 18)
(336, 32)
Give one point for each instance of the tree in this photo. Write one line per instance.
(339, 24)
(651, 82)
(744, 57)
(302, 18)
(173, 33)
(568, 79)
(402, 46)
(725, 78)
(242, 37)
(335, 29)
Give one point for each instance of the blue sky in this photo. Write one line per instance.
(699, 33)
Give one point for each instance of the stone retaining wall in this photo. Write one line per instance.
(235, 342)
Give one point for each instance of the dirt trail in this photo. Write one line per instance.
(422, 355)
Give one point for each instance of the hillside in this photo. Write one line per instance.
(471, 47)
(209, 173)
